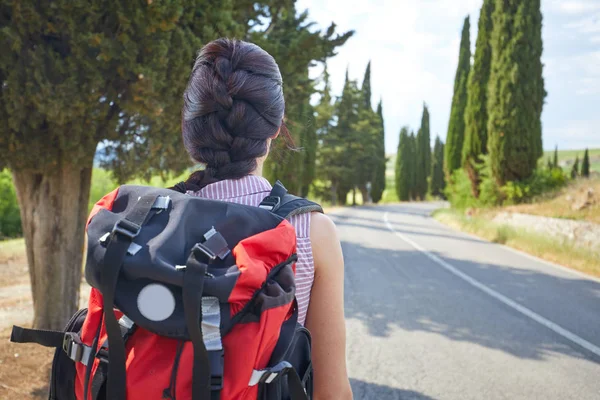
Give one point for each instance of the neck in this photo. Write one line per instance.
(259, 167)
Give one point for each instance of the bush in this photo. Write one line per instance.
(543, 180)
(459, 191)
(10, 218)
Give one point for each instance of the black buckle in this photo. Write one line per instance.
(72, 339)
(216, 360)
(200, 249)
(270, 203)
(127, 228)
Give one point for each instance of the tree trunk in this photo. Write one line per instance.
(365, 194)
(54, 206)
(334, 195)
(354, 196)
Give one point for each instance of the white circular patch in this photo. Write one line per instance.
(156, 302)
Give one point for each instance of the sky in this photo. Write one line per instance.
(414, 44)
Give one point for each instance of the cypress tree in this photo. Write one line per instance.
(476, 115)
(555, 161)
(379, 180)
(366, 87)
(412, 157)
(575, 169)
(423, 170)
(368, 135)
(585, 165)
(516, 90)
(438, 182)
(76, 73)
(456, 126)
(295, 46)
(403, 170)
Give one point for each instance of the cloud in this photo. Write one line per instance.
(574, 7)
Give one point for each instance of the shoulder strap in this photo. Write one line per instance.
(281, 203)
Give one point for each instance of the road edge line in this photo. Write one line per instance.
(498, 296)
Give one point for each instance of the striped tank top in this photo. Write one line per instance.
(251, 190)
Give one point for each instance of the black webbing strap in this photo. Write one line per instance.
(122, 236)
(127, 328)
(295, 386)
(42, 337)
(285, 205)
(193, 285)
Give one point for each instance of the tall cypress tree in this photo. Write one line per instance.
(423, 170)
(379, 179)
(585, 165)
(367, 129)
(438, 182)
(347, 160)
(476, 115)
(412, 157)
(516, 90)
(456, 126)
(403, 170)
(555, 160)
(575, 169)
(366, 87)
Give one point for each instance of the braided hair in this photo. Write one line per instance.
(233, 105)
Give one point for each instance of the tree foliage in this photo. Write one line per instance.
(516, 90)
(403, 167)
(438, 181)
(476, 114)
(379, 179)
(296, 45)
(585, 165)
(75, 74)
(423, 162)
(575, 169)
(456, 126)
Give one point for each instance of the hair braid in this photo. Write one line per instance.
(232, 105)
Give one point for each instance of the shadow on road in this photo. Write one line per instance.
(372, 391)
(389, 290)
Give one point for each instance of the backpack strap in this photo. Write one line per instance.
(281, 203)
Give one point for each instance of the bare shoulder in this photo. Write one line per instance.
(327, 250)
(321, 226)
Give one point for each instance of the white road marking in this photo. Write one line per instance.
(500, 297)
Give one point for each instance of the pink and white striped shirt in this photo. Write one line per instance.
(251, 190)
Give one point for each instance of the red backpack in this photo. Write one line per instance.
(191, 299)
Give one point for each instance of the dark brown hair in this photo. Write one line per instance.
(233, 104)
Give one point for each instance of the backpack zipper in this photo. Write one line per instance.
(170, 392)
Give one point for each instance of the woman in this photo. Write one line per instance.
(233, 109)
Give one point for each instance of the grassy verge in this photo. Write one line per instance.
(545, 247)
(561, 204)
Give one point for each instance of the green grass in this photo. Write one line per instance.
(11, 249)
(561, 252)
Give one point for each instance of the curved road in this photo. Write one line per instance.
(436, 314)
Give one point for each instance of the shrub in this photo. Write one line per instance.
(10, 218)
(542, 181)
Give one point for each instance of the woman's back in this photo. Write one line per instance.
(251, 190)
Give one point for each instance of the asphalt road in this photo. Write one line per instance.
(436, 314)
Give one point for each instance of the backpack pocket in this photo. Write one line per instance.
(62, 381)
(299, 356)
